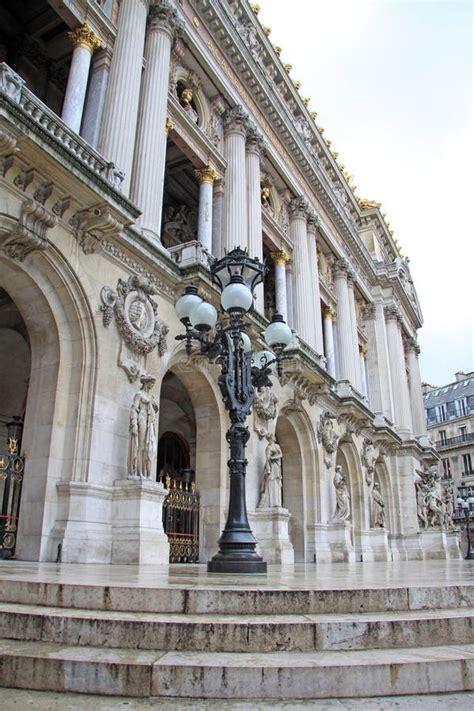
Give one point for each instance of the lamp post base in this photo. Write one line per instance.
(241, 567)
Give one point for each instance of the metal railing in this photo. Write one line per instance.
(453, 441)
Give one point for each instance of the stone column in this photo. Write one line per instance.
(416, 393)
(313, 265)
(401, 395)
(329, 351)
(280, 259)
(357, 382)
(363, 370)
(289, 293)
(117, 138)
(217, 218)
(345, 345)
(379, 382)
(95, 98)
(254, 148)
(303, 307)
(150, 154)
(206, 177)
(85, 43)
(235, 197)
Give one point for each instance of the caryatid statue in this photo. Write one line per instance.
(272, 478)
(343, 499)
(143, 427)
(378, 507)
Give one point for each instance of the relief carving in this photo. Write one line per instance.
(265, 409)
(328, 437)
(30, 232)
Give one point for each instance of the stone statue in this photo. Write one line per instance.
(143, 426)
(343, 505)
(272, 479)
(378, 507)
(449, 507)
(429, 498)
(265, 409)
(328, 437)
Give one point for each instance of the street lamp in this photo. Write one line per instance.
(242, 372)
(466, 506)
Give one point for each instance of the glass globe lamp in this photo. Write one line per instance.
(186, 303)
(278, 334)
(203, 316)
(236, 296)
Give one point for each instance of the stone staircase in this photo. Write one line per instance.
(206, 642)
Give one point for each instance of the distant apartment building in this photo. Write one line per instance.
(450, 422)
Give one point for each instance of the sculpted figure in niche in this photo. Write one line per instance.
(343, 499)
(143, 441)
(272, 479)
(378, 507)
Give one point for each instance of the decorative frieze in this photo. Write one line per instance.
(30, 233)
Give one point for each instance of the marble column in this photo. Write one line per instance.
(254, 148)
(345, 342)
(206, 177)
(119, 125)
(357, 382)
(85, 43)
(280, 259)
(401, 395)
(96, 92)
(363, 370)
(329, 350)
(150, 154)
(217, 218)
(312, 228)
(303, 308)
(235, 197)
(416, 392)
(289, 293)
(379, 382)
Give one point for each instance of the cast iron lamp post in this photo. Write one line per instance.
(242, 372)
(466, 506)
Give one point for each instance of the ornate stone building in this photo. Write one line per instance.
(137, 141)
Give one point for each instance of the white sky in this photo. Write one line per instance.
(392, 83)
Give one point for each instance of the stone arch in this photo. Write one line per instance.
(300, 494)
(59, 406)
(210, 449)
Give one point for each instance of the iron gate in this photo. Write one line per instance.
(11, 480)
(181, 520)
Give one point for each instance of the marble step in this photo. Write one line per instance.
(233, 601)
(232, 633)
(206, 675)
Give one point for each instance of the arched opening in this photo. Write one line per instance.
(192, 431)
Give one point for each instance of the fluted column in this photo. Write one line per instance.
(363, 370)
(401, 395)
(96, 92)
(206, 177)
(379, 381)
(329, 350)
(235, 197)
(85, 43)
(150, 154)
(254, 148)
(357, 382)
(303, 315)
(289, 293)
(312, 226)
(218, 218)
(416, 392)
(345, 342)
(117, 141)
(280, 260)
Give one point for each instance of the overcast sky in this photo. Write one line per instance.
(392, 83)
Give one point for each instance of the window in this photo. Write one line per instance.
(460, 407)
(441, 413)
(463, 431)
(467, 465)
(442, 436)
(446, 469)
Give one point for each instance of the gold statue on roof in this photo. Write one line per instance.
(368, 204)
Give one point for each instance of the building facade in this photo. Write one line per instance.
(450, 424)
(138, 141)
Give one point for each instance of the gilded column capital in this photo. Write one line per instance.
(298, 208)
(163, 17)
(392, 313)
(84, 37)
(255, 142)
(341, 268)
(280, 257)
(206, 175)
(329, 313)
(235, 120)
(362, 350)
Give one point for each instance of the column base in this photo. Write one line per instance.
(270, 526)
(453, 545)
(373, 544)
(137, 530)
(242, 567)
(434, 543)
(340, 542)
(322, 548)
